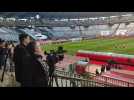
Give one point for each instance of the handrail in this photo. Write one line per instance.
(98, 78)
(65, 81)
(113, 81)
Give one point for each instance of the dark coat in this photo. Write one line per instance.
(28, 68)
(19, 53)
(3, 53)
(36, 71)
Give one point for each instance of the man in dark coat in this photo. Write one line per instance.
(19, 52)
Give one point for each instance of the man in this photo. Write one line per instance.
(51, 60)
(97, 72)
(19, 52)
(2, 53)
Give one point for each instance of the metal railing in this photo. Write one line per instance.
(63, 78)
(114, 81)
(65, 81)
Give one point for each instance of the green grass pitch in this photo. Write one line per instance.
(116, 45)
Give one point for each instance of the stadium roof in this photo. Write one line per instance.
(63, 14)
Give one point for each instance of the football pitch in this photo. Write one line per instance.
(115, 45)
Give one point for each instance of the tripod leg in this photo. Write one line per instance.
(52, 82)
(56, 81)
(50, 79)
(3, 73)
(49, 82)
(0, 67)
(10, 69)
(4, 68)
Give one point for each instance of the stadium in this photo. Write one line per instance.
(91, 40)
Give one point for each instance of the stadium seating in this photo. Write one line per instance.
(67, 32)
(8, 34)
(29, 32)
(63, 32)
(90, 31)
(45, 32)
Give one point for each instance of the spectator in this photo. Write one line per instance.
(102, 68)
(10, 48)
(108, 67)
(2, 53)
(19, 53)
(36, 67)
(7, 51)
(97, 72)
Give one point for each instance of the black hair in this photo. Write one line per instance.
(1, 41)
(22, 37)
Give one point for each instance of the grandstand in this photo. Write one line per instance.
(115, 25)
(8, 34)
(95, 32)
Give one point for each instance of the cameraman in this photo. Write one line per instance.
(51, 60)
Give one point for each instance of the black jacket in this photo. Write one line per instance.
(36, 71)
(19, 53)
(51, 60)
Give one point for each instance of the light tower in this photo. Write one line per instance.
(37, 16)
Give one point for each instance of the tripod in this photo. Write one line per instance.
(5, 65)
(51, 80)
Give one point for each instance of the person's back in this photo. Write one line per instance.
(51, 61)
